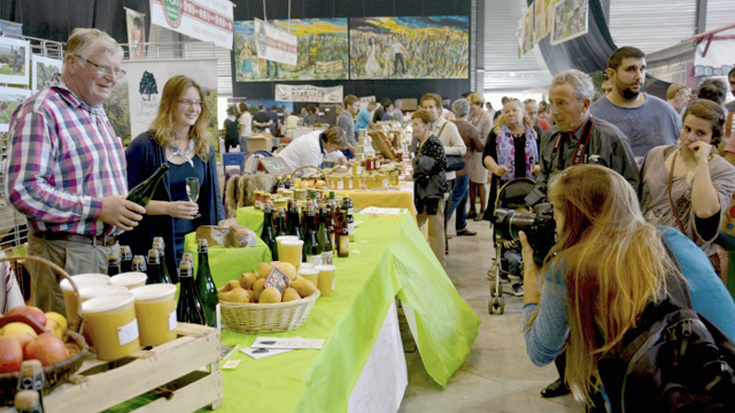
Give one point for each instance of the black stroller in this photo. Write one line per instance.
(507, 260)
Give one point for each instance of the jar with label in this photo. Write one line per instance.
(395, 178)
(257, 200)
(155, 309)
(112, 325)
(384, 181)
(339, 183)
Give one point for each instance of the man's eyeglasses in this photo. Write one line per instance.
(103, 70)
(190, 103)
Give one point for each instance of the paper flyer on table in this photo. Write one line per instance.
(289, 343)
(383, 211)
(259, 353)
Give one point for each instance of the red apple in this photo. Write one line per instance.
(11, 355)
(32, 313)
(47, 348)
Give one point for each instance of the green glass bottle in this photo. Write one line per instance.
(189, 308)
(154, 268)
(113, 264)
(281, 222)
(268, 235)
(205, 286)
(347, 208)
(312, 253)
(324, 238)
(160, 245)
(293, 220)
(142, 193)
(126, 258)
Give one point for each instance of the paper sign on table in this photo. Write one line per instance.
(291, 343)
(384, 211)
(259, 353)
(277, 279)
(231, 364)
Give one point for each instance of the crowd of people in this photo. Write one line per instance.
(639, 187)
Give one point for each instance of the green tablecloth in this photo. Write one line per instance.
(389, 259)
(228, 263)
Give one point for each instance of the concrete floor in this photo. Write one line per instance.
(497, 375)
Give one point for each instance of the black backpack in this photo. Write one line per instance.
(675, 360)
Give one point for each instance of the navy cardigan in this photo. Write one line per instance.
(144, 155)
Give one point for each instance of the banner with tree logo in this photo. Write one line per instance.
(134, 103)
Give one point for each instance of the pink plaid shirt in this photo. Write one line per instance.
(63, 157)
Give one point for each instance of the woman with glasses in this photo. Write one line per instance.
(179, 136)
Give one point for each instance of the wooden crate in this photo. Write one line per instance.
(173, 370)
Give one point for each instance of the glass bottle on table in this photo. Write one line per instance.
(323, 236)
(343, 236)
(155, 272)
(349, 218)
(312, 253)
(139, 264)
(142, 193)
(189, 308)
(293, 219)
(281, 222)
(126, 258)
(288, 184)
(268, 235)
(160, 245)
(279, 184)
(187, 256)
(205, 286)
(113, 264)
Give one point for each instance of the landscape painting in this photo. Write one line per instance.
(322, 51)
(10, 98)
(15, 61)
(428, 47)
(44, 70)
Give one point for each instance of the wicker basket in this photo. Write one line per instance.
(75, 343)
(266, 318)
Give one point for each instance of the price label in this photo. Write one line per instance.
(128, 332)
(172, 320)
(277, 279)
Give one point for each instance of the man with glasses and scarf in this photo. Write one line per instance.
(66, 170)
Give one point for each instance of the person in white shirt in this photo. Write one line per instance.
(244, 126)
(316, 147)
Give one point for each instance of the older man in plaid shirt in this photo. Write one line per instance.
(66, 168)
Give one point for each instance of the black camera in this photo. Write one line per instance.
(539, 227)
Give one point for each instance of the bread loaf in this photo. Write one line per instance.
(215, 235)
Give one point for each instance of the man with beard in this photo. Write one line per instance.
(646, 120)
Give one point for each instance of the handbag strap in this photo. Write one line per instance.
(671, 199)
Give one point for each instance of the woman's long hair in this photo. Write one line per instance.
(163, 125)
(615, 264)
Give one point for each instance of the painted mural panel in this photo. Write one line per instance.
(409, 47)
(322, 51)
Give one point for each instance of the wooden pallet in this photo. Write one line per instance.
(172, 370)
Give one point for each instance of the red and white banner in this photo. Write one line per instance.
(206, 20)
(275, 44)
(309, 93)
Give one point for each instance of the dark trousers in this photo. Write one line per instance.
(458, 201)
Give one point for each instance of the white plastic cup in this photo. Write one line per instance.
(71, 301)
(110, 324)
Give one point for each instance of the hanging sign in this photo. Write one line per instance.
(206, 20)
(309, 93)
(274, 44)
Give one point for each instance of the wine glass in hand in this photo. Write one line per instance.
(192, 190)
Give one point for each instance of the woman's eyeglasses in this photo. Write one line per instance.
(190, 103)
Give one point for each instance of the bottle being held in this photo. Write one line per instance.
(189, 308)
(205, 286)
(347, 208)
(160, 245)
(113, 264)
(268, 235)
(143, 192)
(126, 258)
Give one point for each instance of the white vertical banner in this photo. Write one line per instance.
(136, 33)
(146, 79)
(272, 43)
(206, 20)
